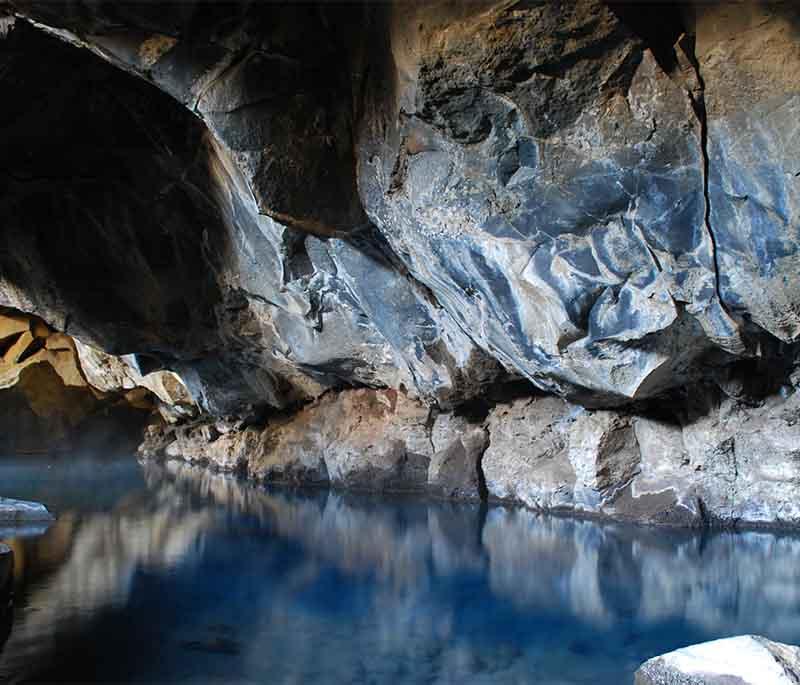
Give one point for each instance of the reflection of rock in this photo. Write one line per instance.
(375, 584)
(6, 593)
(581, 566)
(95, 558)
(666, 575)
(357, 536)
(743, 660)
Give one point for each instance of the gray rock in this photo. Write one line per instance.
(742, 660)
(527, 459)
(455, 468)
(22, 511)
(717, 460)
(535, 177)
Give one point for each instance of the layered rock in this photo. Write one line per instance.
(708, 460)
(744, 660)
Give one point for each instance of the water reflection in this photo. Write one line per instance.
(6, 593)
(198, 576)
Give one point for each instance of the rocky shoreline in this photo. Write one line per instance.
(721, 462)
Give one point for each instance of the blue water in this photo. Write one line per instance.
(157, 573)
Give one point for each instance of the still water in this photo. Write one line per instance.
(157, 573)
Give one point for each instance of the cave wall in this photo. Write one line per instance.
(281, 202)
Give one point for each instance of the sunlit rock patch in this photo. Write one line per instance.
(52, 386)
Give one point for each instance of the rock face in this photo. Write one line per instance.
(289, 204)
(357, 439)
(743, 660)
(715, 460)
(712, 461)
(444, 191)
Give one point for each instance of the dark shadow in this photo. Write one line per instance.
(657, 24)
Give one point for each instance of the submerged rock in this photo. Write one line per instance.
(742, 660)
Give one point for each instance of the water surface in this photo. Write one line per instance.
(157, 573)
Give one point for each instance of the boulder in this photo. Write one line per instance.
(527, 459)
(17, 510)
(742, 660)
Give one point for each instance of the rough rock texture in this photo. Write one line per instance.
(455, 467)
(284, 202)
(743, 660)
(112, 374)
(358, 439)
(568, 190)
(185, 271)
(714, 460)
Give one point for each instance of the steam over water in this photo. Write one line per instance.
(159, 573)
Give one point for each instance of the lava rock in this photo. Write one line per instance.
(289, 205)
(549, 188)
(712, 460)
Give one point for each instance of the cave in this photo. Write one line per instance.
(481, 274)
